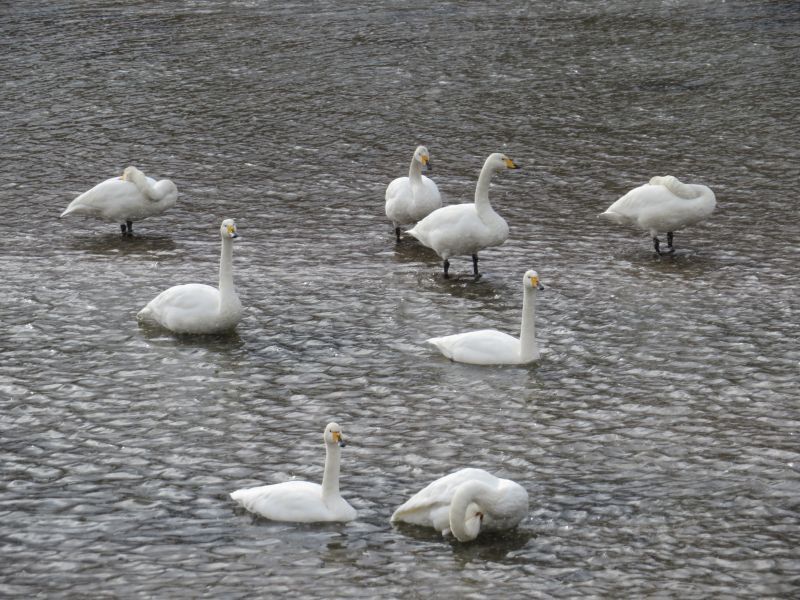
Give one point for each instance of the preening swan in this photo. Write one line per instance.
(492, 347)
(663, 204)
(466, 228)
(409, 199)
(302, 501)
(131, 197)
(197, 307)
(465, 503)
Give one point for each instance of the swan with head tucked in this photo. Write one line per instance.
(466, 228)
(663, 204)
(302, 501)
(492, 347)
(410, 199)
(196, 307)
(131, 197)
(465, 503)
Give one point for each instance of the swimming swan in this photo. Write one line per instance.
(302, 501)
(492, 347)
(197, 307)
(131, 197)
(410, 199)
(664, 204)
(465, 503)
(466, 228)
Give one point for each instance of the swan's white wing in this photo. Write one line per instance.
(452, 230)
(297, 501)
(483, 347)
(398, 198)
(430, 506)
(184, 308)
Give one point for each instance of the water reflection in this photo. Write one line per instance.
(120, 245)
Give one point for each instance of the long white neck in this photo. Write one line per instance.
(528, 348)
(163, 190)
(226, 288)
(415, 172)
(330, 477)
(482, 189)
(470, 498)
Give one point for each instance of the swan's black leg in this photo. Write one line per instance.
(446, 268)
(656, 245)
(475, 265)
(397, 233)
(122, 226)
(130, 227)
(669, 242)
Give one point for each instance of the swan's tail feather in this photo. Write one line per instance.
(613, 217)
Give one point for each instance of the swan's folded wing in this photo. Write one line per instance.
(483, 347)
(297, 501)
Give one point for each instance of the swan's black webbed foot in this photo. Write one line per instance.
(670, 248)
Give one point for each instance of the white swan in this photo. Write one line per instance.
(664, 204)
(492, 347)
(466, 228)
(131, 197)
(466, 502)
(196, 307)
(410, 199)
(302, 501)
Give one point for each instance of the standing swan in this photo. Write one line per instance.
(126, 199)
(467, 228)
(409, 199)
(464, 503)
(302, 501)
(664, 204)
(197, 307)
(492, 347)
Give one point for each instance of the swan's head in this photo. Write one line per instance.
(333, 435)
(130, 173)
(473, 519)
(228, 230)
(531, 280)
(499, 161)
(422, 156)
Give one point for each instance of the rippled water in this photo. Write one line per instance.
(657, 437)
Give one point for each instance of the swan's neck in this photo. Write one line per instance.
(330, 477)
(482, 190)
(471, 498)
(226, 288)
(415, 172)
(528, 349)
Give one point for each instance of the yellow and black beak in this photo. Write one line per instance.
(339, 439)
(426, 162)
(232, 231)
(535, 283)
(510, 164)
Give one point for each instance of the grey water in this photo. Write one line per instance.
(658, 436)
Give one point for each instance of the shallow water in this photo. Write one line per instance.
(658, 435)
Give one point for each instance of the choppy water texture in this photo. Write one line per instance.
(657, 437)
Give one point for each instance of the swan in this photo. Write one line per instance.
(131, 197)
(663, 204)
(197, 307)
(302, 501)
(466, 228)
(464, 503)
(409, 199)
(492, 347)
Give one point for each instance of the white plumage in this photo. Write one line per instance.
(302, 501)
(663, 205)
(492, 347)
(131, 197)
(465, 503)
(466, 228)
(196, 307)
(409, 199)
